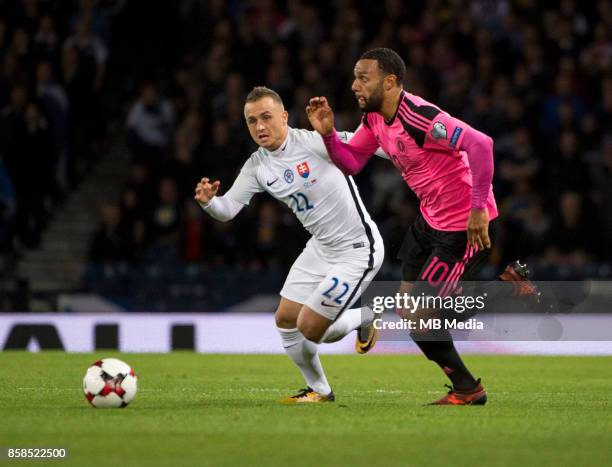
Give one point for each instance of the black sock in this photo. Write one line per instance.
(444, 353)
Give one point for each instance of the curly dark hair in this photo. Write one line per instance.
(389, 62)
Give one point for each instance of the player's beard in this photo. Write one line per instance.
(374, 102)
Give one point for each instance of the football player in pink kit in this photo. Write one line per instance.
(449, 166)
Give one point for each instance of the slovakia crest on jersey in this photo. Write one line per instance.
(303, 169)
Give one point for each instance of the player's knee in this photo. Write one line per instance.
(284, 320)
(309, 331)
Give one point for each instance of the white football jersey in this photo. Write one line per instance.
(301, 175)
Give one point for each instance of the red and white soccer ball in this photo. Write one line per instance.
(110, 383)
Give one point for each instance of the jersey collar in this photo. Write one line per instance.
(281, 149)
(399, 102)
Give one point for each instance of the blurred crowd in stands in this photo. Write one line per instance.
(53, 59)
(534, 75)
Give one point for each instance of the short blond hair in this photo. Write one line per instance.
(259, 92)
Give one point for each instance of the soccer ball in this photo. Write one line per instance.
(110, 383)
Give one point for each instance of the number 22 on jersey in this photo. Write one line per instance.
(301, 202)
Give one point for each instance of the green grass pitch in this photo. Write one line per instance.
(220, 410)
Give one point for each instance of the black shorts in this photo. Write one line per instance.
(438, 260)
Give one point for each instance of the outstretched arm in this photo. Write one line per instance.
(349, 157)
(225, 208)
(221, 208)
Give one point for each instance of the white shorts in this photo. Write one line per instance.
(331, 283)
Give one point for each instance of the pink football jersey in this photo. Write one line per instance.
(422, 142)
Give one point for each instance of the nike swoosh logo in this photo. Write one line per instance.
(327, 304)
(272, 182)
(283, 148)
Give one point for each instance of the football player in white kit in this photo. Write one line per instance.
(343, 255)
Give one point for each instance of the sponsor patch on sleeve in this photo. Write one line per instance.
(455, 136)
(438, 131)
